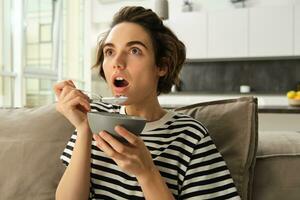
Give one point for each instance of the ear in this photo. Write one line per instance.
(162, 71)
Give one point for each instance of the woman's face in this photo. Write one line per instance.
(129, 63)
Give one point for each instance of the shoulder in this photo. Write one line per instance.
(104, 107)
(188, 125)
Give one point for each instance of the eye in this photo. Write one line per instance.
(108, 52)
(135, 51)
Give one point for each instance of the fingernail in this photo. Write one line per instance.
(96, 137)
(102, 133)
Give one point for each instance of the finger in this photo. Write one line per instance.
(73, 93)
(113, 142)
(85, 95)
(71, 82)
(79, 102)
(106, 148)
(58, 87)
(62, 89)
(130, 137)
(65, 91)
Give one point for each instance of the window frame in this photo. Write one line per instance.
(7, 64)
(17, 34)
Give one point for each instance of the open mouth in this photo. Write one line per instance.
(120, 82)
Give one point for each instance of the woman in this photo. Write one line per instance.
(173, 158)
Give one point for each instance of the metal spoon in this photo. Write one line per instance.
(114, 100)
(119, 100)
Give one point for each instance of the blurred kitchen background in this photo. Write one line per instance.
(234, 48)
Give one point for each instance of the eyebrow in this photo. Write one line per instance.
(128, 44)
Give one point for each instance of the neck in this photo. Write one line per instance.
(150, 110)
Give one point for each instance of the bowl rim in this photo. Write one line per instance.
(118, 115)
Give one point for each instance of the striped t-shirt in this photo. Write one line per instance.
(181, 149)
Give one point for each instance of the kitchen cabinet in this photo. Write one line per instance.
(228, 34)
(271, 31)
(240, 33)
(297, 30)
(191, 28)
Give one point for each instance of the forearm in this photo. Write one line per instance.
(75, 182)
(154, 187)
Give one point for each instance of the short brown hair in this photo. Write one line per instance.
(168, 49)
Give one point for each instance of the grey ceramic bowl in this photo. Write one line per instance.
(103, 121)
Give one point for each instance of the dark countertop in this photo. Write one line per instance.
(279, 109)
(261, 109)
(220, 93)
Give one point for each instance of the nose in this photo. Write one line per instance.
(119, 66)
(120, 62)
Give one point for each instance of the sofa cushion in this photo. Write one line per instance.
(232, 125)
(31, 141)
(278, 163)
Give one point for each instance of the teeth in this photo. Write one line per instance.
(119, 79)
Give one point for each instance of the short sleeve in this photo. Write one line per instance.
(67, 153)
(207, 176)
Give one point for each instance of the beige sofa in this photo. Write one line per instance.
(31, 141)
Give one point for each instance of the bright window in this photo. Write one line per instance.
(6, 68)
(48, 39)
(54, 49)
(1, 36)
(6, 87)
(38, 34)
(38, 52)
(39, 91)
(73, 43)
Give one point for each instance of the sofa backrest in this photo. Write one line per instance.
(233, 126)
(31, 141)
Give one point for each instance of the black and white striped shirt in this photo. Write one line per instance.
(181, 149)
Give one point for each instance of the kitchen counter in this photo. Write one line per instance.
(173, 100)
(279, 109)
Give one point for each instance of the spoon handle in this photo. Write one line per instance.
(119, 100)
(114, 100)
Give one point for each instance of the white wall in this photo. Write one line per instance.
(211, 5)
(102, 13)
